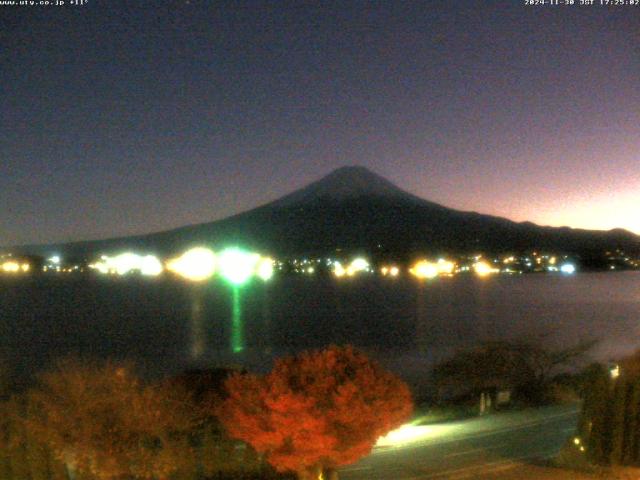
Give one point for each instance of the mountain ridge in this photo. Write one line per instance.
(354, 209)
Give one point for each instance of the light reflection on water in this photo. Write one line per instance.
(403, 323)
(198, 343)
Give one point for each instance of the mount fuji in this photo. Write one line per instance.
(353, 210)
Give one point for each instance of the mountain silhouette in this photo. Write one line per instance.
(353, 210)
(345, 183)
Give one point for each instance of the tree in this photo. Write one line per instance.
(22, 456)
(524, 366)
(316, 410)
(593, 424)
(610, 413)
(102, 420)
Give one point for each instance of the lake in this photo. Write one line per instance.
(166, 325)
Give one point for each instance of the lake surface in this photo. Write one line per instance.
(166, 325)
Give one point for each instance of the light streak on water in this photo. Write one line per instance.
(198, 342)
(237, 342)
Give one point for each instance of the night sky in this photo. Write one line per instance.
(120, 118)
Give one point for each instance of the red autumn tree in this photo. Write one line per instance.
(102, 420)
(317, 410)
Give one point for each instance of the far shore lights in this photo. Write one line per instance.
(197, 264)
(126, 263)
(11, 267)
(483, 269)
(265, 268)
(237, 266)
(150, 266)
(357, 265)
(389, 270)
(424, 269)
(445, 267)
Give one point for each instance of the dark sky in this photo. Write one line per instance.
(129, 117)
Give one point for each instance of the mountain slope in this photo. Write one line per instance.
(353, 209)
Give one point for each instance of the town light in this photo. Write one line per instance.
(197, 264)
(424, 269)
(125, 262)
(483, 269)
(237, 266)
(150, 266)
(11, 267)
(445, 267)
(358, 265)
(568, 268)
(265, 268)
(614, 371)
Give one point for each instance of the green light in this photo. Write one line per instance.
(237, 266)
(236, 323)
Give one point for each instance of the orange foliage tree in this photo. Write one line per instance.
(316, 411)
(102, 420)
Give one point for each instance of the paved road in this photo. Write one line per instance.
(469, 448)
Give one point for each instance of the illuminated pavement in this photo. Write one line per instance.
(469, 448)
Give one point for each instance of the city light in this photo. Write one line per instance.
(11, 267)
(237, 266)
(126, 263)
(391, 271)
(483, 269)
(357, 265)
(265, 268)
(568, 268)
(150, 266)
(424, 269)
(614, 371)
(197, 264)
(100, 266)
(445, 267)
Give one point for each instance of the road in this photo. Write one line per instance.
(469, 448)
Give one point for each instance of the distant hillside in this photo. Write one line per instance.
(353, 209)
